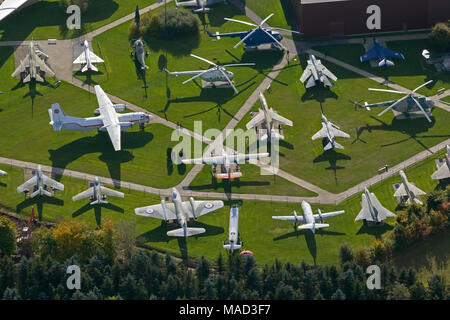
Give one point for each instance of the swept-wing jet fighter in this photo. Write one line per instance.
(8, 7)
(330, 131)
(317, 72)
(372, 210)
(257, 37)
(108, 120)
(87, 58)
(38, 183)
(217, 73)
(270, 121)
(97, 193)
(382, 54)
(309, 220)
(140, 53)
(444, 170)
(33, 66)
(200, 6)
(233, 233)
(408, 190)
(181, 211)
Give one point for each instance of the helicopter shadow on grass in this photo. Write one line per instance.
(332, 156)
(101, 143)
(97, 211)
(39, 202)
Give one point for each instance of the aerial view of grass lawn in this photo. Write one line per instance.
(337, 170)
(409, 73)
(165, 95)
(282, 15)
(34, 22)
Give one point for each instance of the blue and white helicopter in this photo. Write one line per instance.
(381, 53)
(257, 37)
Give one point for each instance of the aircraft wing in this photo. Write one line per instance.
(442, 173)
(245, 157)
(85, 194)
(256, 120)
(110, 192)
(109, 117)
(275, 116)
(24, 64)
(307, 73)
(382, 211)
(81, 59)
(369, 55)
(289, 218)
(339, 133)
(202, 207)
(43, 66)
(325, 71)
(156, 211)
(328, 215)
(49, 182)
(95, 58)
(9, 6)
(27, 185)
(401, 191)
(322, 133)
(391, 53)
(205, 160)
(365, 211)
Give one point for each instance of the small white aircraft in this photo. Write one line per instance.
(217, 73)
(372, 210)
(330, 131)
(444, 170)
(316, 72)
(407, 189)
(87, 58)
(309, 220)
(109, 119)
(200, 5)
(270, 120)
(97, 193)
(233, 233)
(3, 173)
(8, 7)
(181, 211)
(39, 182)
(33, 66)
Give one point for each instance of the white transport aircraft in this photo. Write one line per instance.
(97, 193)
(309, 220)
(109, 119)
(38, 183)
(407, 189)
(233, 231)
(181, 211)
(270, 120)
(87, 58)
(330, 131)
(316, 72)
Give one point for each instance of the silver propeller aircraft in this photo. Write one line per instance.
(372, 210)
(309, 220)
(269, 119)
(109, 119)
(217, 73)
(87, 58)
(33, 66)
(201, 6)
(8, 7)
(444, 170)
(409, 103)
(407, 189)
(38, 183)
(181, 211)
(140, 53)
(330, 131)
(97, 193)
(233, 233)
(316, 72)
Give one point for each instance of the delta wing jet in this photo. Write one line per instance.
(87, 58)
(97, 193)
(372, 210)
(382, 54)
(33, 66)
(233, 233)
(407, 189)
(181, 211)
(330, 131)
(309, 220)
(444, 170)
(38, 183)
(316, 72)
(270, 120)
(108, 120)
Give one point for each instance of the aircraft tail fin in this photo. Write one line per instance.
(57, 116)
(185, 232)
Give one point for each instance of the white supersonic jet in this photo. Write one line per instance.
(97, 193)
(87, 58)
(109, 119)
(233, 233)
(309, 220)
(316, 72)
(181, 211)
(443, 172)
(38, 183)
(330, 131)
(407, 189)
(372, 210)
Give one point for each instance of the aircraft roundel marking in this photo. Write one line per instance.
(56, 110)
(149, 211)
(208, 205)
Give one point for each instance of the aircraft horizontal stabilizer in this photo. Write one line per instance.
(99, 202)
(189, 232)
(328, 146)
(312, 226)
(234, 246)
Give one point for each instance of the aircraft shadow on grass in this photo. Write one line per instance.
(319, 94)
(39, 202)
(88, 77)
(181, 168)
(377, 231)
(101, 143)
(97, 211)
(228, 185)
(332, 156)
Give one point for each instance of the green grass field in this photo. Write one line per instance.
(282, 17)
(33, 22)
(374, 141)
(409, 73)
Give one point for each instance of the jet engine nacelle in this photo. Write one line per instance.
(117, 107)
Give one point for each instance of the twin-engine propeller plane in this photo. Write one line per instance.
(108, 120)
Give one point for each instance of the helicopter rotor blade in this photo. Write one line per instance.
(392, 105)
(245, 38)
(239, 64)
(423, 85)
(196, 76)
(420, 107)
(267, 18)
(239, 21)
(229, 81)
(274, 39)
(203, 59)
(386, 90)
(292, 31)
